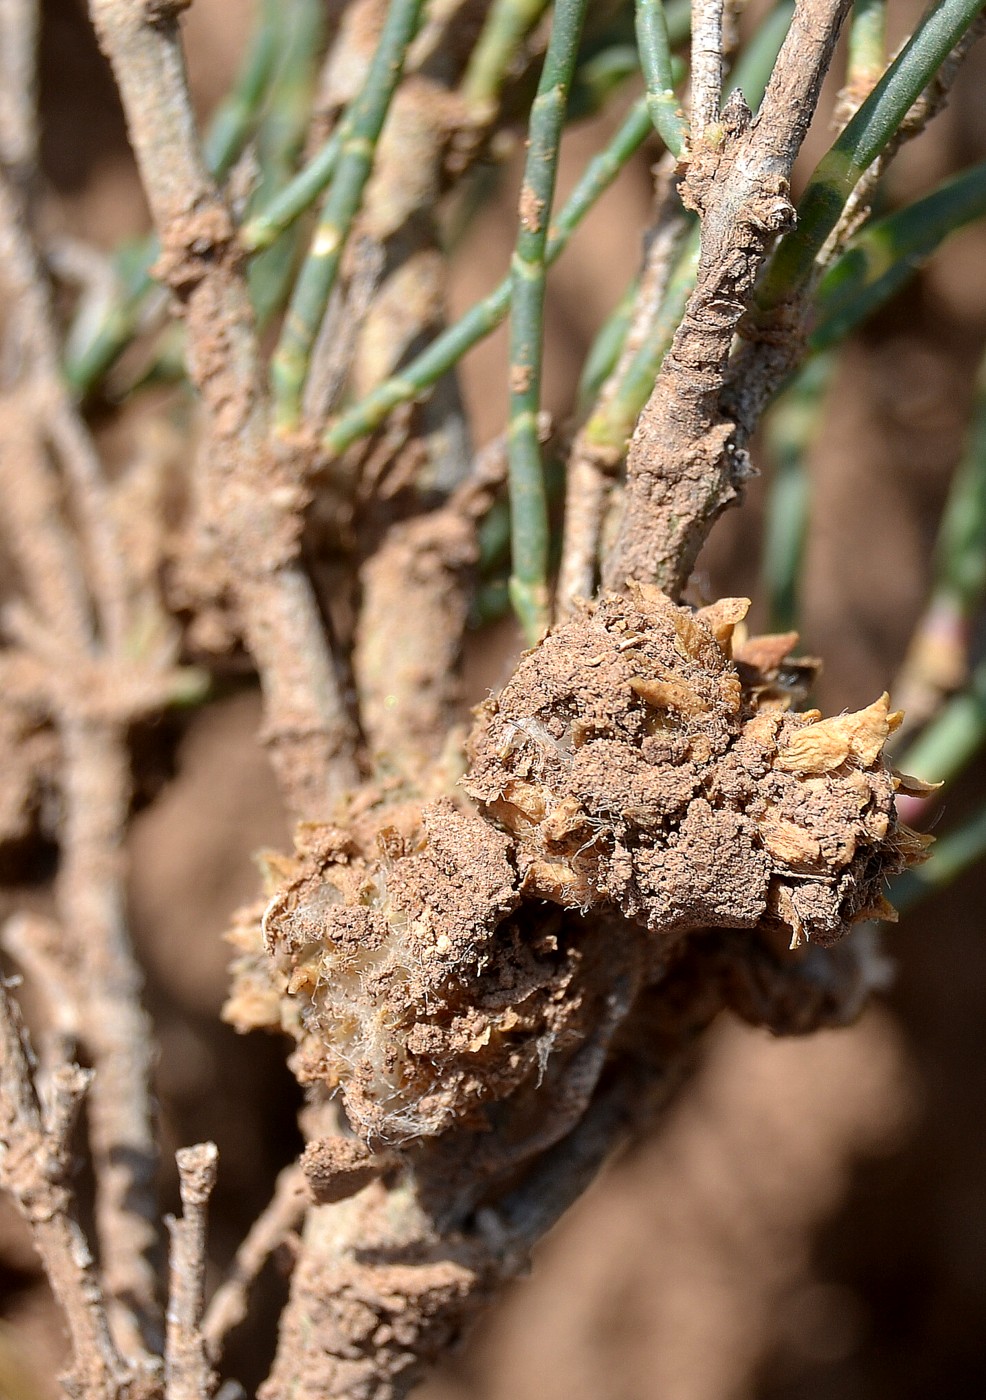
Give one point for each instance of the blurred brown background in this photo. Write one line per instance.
(811, 1222)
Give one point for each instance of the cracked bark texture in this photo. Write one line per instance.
(687, 458)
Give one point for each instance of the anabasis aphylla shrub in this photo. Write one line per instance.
(493, 949)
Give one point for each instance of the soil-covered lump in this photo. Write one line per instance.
(640, 778)
(635, 759)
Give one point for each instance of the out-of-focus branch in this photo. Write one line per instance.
(32, 330)
(91, 692)
(187, 1373)
(115, 1029)
(412, 624)
(684, 466)
(18, 107)
(251, 494)
(282, 1215)
(34, 1167)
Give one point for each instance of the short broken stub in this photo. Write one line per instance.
(641, 777)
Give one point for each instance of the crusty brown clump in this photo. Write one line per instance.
(636, 783)
(631, 764)
(398, 964)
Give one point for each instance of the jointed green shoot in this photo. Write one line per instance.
(528, 499)
(361, 129)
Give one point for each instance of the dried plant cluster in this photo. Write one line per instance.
(492, 957)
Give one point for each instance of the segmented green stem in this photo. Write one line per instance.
(361, 129)
(266, 226)
(867, 42)
(483, 318)
(609, 427)
(236, 117)
(791, 428)
(861, 142)
(888, 252)
(654, 45)
(528, 276)
(279, 143)
(507, 25)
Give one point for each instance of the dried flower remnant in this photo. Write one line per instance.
(636, 785)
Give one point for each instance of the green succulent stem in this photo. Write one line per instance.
(269, 223)
(361, 128)
(528, 278)
(235, 120)
(278, 146)
(483, 318)
(867, 42)
(887, 253)
(508, 23)
(862, 140)
(654, 45)
(791, 428)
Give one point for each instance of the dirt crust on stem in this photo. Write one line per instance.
(640, 781)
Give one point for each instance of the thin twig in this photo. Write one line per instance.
(187, 1373)
(34, 1167)
(684, 467)
(40, 948)
(707, 66)
(116, 1030)
(590, 469)
(602, 444)
(276, 1222)
(250, 495)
